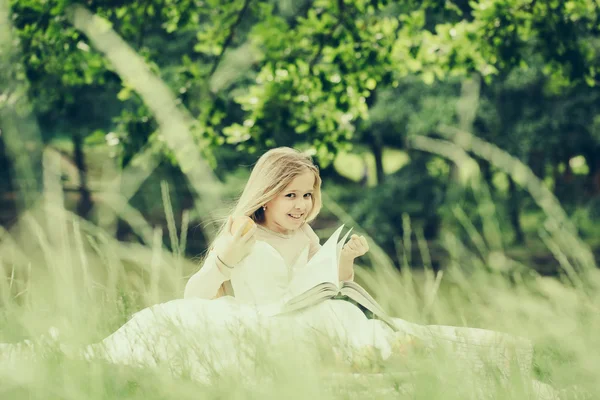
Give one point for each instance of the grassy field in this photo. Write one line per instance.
(65, 273)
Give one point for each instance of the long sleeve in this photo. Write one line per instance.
(207, 281)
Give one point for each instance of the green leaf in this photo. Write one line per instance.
(371, 84)
(302, 128)
(125, 93)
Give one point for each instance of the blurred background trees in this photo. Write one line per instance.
(350, 81)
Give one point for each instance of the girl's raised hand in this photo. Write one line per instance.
(357, 246)
(235, 246)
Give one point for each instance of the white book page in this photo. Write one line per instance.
(322, 267)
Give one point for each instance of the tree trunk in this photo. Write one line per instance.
(6, 184)
(514, 205)
(564, 180)
(596, 179)
(377, 149)
(85, 199)
(20, 133)
(486, 173)
(555, 177)
(537, 163)
(593, 177)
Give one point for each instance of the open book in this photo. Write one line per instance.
(319, 280)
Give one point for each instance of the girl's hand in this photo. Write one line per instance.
(357, 246)
(236, 245)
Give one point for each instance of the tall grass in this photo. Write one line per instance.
(60, 271)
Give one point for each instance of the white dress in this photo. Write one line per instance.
(204, 337)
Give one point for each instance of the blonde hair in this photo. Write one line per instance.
(273, 172)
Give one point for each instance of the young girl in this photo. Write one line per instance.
(247, 269)
(282, 196)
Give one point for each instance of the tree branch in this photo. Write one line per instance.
(314, 58)
(229, 38)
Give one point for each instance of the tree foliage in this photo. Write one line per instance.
(311, 74)
(327, 75)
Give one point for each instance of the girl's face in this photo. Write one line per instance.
(288, 210)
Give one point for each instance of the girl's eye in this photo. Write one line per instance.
(290, 195)
(308, 195)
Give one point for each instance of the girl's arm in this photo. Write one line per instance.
(346, 268)
(232, 248)
(357, 246)
(207, 282)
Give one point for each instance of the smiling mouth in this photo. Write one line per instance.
(295, 216)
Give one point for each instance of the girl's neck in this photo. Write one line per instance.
(274, 231)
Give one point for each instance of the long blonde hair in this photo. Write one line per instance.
(273, 172)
